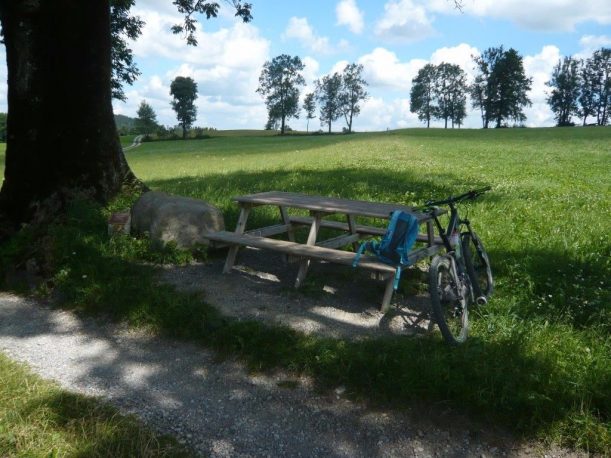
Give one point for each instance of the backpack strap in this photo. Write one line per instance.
(397, 278)
(410, 238)
(359, 253)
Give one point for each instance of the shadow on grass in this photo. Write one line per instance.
(558, 287)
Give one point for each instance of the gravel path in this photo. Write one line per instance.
(221, 410)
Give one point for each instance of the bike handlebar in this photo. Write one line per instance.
(470, 195)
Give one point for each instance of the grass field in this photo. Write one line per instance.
(538, 358)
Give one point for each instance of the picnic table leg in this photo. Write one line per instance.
(352, 229)
(291, 232)
(305, 264)
(287, 220)
(239, 229)
(388, 293)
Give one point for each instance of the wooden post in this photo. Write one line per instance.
(239, 229)
(291, 232)
(305, 263)
(352, 229)
(388, 293)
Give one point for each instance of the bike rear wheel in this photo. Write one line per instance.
(450, 308)
(477, 264)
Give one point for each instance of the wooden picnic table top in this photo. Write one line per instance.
(328, 204)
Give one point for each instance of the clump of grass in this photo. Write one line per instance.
(37, 418)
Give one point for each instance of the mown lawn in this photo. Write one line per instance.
(538, 358)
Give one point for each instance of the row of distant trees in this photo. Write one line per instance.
(337, 95)
(499, 90)
(582, 88)
(579, 87)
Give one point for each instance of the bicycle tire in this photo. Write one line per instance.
(450, 308)
(477, 264)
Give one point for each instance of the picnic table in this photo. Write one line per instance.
(328, 250)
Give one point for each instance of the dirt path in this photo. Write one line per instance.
(221, 410)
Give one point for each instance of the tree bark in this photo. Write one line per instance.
(61, 135)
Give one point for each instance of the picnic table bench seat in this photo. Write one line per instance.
(320, 252)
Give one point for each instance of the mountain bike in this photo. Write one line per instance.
(460, 277)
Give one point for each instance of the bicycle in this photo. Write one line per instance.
(462, 275)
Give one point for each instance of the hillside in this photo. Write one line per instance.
(123, 121)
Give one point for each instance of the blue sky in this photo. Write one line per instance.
(392, 39)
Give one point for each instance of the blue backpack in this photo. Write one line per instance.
(396, 244)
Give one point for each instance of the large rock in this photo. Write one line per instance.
(173, 218)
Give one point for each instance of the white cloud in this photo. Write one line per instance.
(239, 46)
(591, 43)
(339, 67)
(301, 30)
(404, 21)
(379, 114)
(556, 15)
(539, 67)
(382, 68)
(461, 55)
(349, 14)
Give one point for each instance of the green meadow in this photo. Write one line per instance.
(538, 359)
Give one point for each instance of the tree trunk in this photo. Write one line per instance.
(61, 135)
(282, 125)
(184, 131)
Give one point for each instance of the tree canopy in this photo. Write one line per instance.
(146, 122)
(184, 93)
(279, 84)
(309, 106)
(423, 93)
(328, 91)
(500, 88)
(352, 92)
(565, 84)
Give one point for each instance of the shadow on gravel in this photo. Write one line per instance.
(215, 405)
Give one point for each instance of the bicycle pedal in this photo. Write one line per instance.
(481, 300)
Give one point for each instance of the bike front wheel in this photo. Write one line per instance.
(477, 264)
(448, 302)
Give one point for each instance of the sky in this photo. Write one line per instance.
(391, 39)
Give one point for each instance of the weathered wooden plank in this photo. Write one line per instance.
(360, 229)
(286, 219)
(369, 230)
(299, 249)
(329, 204)
(422, 253)
(270, 230)
(338, 242)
